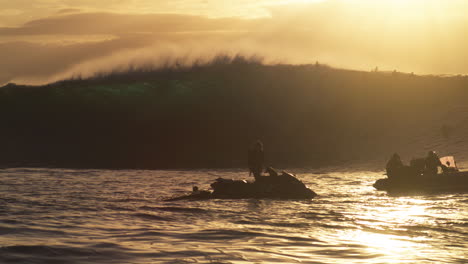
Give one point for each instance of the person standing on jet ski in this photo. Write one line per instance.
(256, 159)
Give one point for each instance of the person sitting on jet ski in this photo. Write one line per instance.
(199, 193)
(432, 163)
(195, 190)
(394, 166)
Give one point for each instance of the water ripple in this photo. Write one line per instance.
(103, 216)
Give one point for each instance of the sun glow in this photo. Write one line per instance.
(405, 10)
(389, 237)
(393, 247)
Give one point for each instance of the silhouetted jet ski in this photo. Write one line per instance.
(284, 186)
(444, 182)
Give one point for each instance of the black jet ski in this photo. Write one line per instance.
(440, 183)
(409, 179)
(284, 186)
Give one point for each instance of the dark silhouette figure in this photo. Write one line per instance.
(200, 193)
(432, 163)
(394, 166)
(256, 159)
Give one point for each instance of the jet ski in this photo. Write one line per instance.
(439, 183)
(283, 186)
(413, 179)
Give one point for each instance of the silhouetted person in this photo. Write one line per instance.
(394, 166)
(201, 194)
(432, 163)
(256, 159)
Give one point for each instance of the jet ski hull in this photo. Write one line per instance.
(445, 182)
(284, 186)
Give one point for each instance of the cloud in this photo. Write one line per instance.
(329, 32)
(108, 23)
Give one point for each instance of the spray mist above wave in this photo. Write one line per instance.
(153, 58)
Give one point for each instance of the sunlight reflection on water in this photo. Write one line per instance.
(393, 249)
(104, 215)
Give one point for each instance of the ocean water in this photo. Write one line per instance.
(117, 216)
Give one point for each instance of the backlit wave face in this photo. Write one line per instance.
(421, 36)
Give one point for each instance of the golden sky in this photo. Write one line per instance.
(45, 40)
